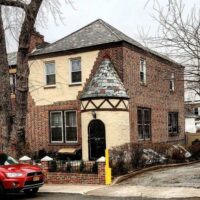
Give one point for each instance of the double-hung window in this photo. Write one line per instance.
(75, 65)
(50, 73)
(12, 83)
(144, 123)
(173, 123)
(70, 126)
(56, 126)
(143, 71)
(63, 126)
(196, 111)
(172, 82)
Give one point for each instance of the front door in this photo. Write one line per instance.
(96, 139)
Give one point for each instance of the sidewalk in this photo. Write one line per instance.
(69, 188)
(123, 191)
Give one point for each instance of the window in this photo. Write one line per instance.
(12, 83)
(75, 71)
(56, 125)
(143, 77)
(172, 82)
(196, 111)
(70, 126)
(144, 123)
(63, 130)
(50, 73)
(173, 123)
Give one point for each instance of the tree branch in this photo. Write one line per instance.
(14, 3)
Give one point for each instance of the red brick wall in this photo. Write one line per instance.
(74, 178)
(155, 95)
(38, 125)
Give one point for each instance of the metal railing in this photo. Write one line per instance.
(88, 167)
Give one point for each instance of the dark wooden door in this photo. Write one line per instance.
(96, 139)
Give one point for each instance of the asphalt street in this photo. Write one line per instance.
(60, 196)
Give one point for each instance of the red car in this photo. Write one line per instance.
(15, 177)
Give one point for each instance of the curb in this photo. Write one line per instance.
(135, 173)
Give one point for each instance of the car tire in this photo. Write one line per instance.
(31, 191)
(2, 191)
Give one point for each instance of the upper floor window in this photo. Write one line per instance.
(172, 82)
(173, 123)
(63, 129)
(12, 83)
(196, 111)
(50, 73)
(75, 65)
(144, 123)
(143, 71)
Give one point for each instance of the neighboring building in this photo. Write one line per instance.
(192, 116)
(97, 88)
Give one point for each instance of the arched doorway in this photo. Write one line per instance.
(96, 139)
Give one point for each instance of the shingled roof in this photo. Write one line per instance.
(96, 33)
(105, 83)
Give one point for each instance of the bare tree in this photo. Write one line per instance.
(178, 36)
(15, 137)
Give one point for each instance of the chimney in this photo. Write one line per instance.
(36, 40)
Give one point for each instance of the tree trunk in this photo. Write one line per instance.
(23, 74)
(5, 100)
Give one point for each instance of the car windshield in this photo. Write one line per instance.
(7, 160)
(10, 161)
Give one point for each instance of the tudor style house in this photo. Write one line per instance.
(98, 88)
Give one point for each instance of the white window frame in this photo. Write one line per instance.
(54, 126)
(172, 82)
(67, 111)
(70, 71)
(45, 77)
(143, 69)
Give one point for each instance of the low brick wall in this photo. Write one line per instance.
(74, 178)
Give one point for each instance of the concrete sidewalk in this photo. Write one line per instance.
(69, 188)
(124, 191)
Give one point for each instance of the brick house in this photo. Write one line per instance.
(98, 88)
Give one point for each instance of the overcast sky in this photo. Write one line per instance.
(129, 16)
(126, 15)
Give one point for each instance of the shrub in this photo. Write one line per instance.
(95, 167)
(69, 166)
(52, 166)
(82, 166)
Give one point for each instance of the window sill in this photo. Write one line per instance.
(63, 144)
(75, 84)
(143, 84)
(143, 140)
(172, 91)
(49, 86)
(173, 134)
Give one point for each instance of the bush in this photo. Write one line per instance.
(82, 166)
(95, 167)
(52, 166)
(69, 166)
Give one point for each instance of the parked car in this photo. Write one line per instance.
(15, 177)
